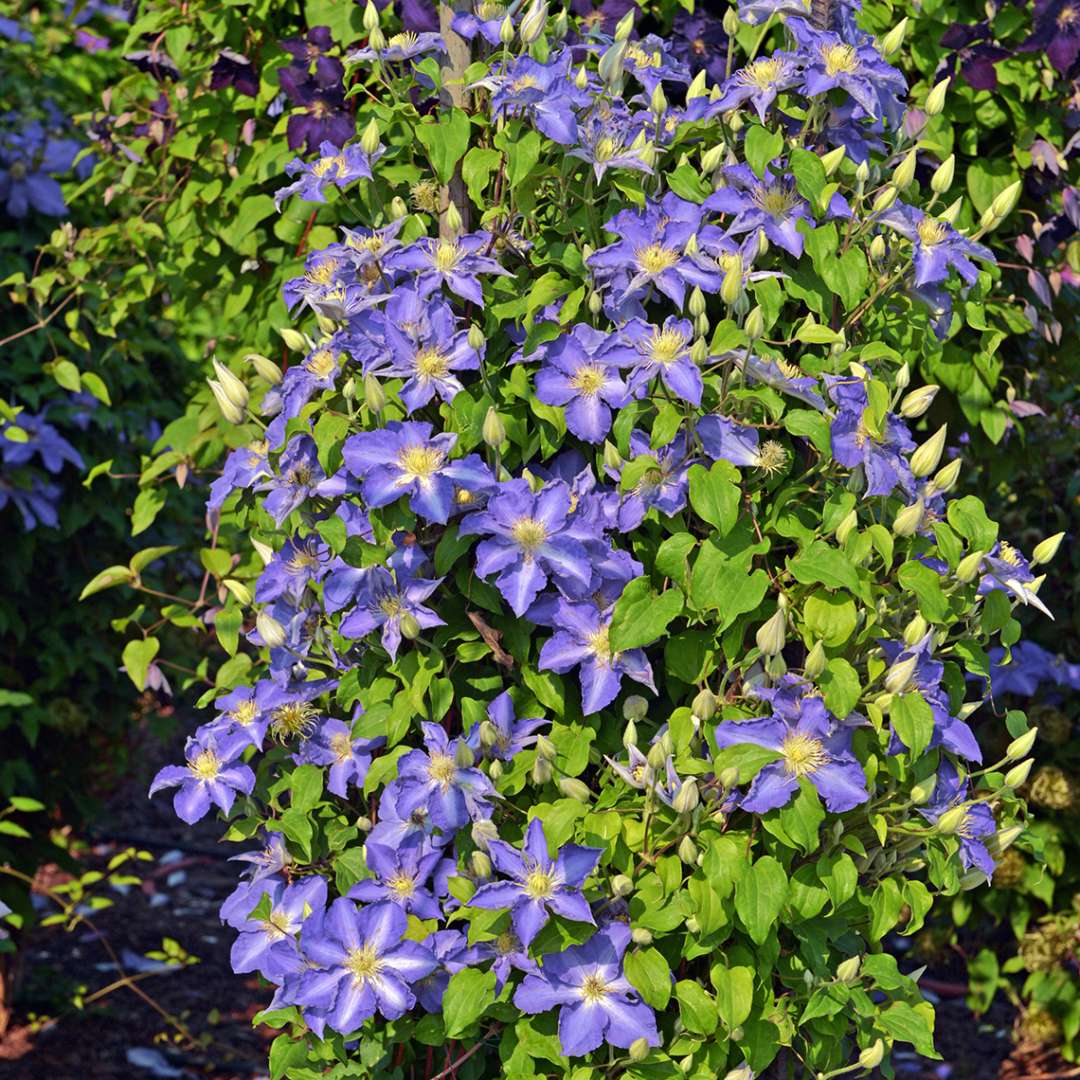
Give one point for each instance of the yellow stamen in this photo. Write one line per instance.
(363, 964)
(432, 363)
(761, 73)
(448, 254)
(442, 770)
(803, 754)
(341, 747)
(245, 713)
(420, 462)
(589, 379)
(666, 346)
(539, 884)
(206, 765)
(840, 59)
(321, 363)
(771, 457)
(294, 719)
(529, 533)
(402, 886)
(931, 231)
(594, 989)
(656, 258)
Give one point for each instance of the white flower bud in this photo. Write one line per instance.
(228, 408)
(712, 158)
(862, 172)
(635, 707)
(945, 478)
(686, 799)
(925, 459)
(657, 755)
(264, 367)
(483, 832)
(639, 1049)
(640, 936)
(575, 789)
(908, 520)
(877, 248)
(621, 885)
(704, 705)
(732, 286)
(1021, 746)
(872, 1056)
(398, 208)
(942, 179)
(772, 635)
(687, 851)
(506, 31)
(886, 197)
(935, 100)
(371, 17)
(581, 79)
(846, 527)
(1046, 549)
(495, 769)
(294, 340)
(545, 748)
(374, 395)
(696, 306)
(369, 139)
(848, 970)
(610, 68)
(915, 630)
(894, 38)
(541, 771)
(952, 820)
(480, 865)
(534, 22)
(754, 327)
(624, 26)
(270, 630)
(231, 386)
(377, 39)
(493, 430)
(969, 566)
(1005, 201)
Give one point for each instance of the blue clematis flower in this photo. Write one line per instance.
(760, 82)
(950, 791)
(339, 167)
(938, 246)
(211, 777)
(401, 876)
(456, 263)
(349, 758)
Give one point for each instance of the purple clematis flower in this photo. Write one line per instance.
(292, 569)
(540, 886)
(232, 69)
(782, 376)
(663, 351)
(951, 790)
(881, 452)
(652, 61)
(724, 439)
(456, 263)
(510, 736)
(605, 142)
(325, 116)
(401, 876)
(582, 642)
(349, 758)
(244, 714)
(242, 468)
(300, 477)
(365, 966)
(597, 1002)
(333, 166)
(579, 374)
(759, 83)
(698, 41)
(664, 488)
(268, 945)
(432, 779)
(454, 953)
(406, 459)
(400, 47)
(1057, 30)
(485, 19)
(397, 826)
(530, 542)
(812, 747)
(1006, 569)
(267, 861)
(209, 778)
(938, 245)
(40, 439)
(543, 92)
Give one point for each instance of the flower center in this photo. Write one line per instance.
(448, 254)
(840, 59)
(301, 560)
(589, 379)
(442, 769)
(606, 149)
(656, 258)
(244, 713)
(391, 606)
(294, 719)
(771, 457)
(322, 274)
(643, 58)
(420, 462)
(432, 363)
(789, 371)
(321, 363)
(486, 10)
(1067, 16)
(600, 645)
(301, 476)
(803, 754)
(529, 533)
(539, 884)
(666, 346)
(1008, 554)
(931, 231)
(278, 925)
(524, 82)
(328, 164)
(405, 40)
(593, 989)
(775, 199)
(206, 765)
(507, 942)
(761, 73)
(401, 885)
(341, 747)
(363, 964)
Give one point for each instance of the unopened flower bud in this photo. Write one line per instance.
(374, 395)
(348, 389)
(377, 39)
(541, 771)
(945, 478)
(612, 458)
(635, 707)
(534, 22)
(732, 286)
(878, 248)
(239, 590)
(950, 213)
(952, 820)
(699, 351)
(969, 566)
(698, 86)
(935, 100)
(639, 1049)
(228, 408)
(369, 139)
(489, 734)
(610, 68)
(625, 26)
(1018, 774)
(908, 520)
(506, 30)
(731, 22)
(495, 769)
(621, 885)
(264, 551)
(688, 851)
(894, 38)
(846, 527)
(581, 79)
(561, 25)
(264, 367)
(231, 386)
(772, 635)
(815, 661)
(483, 832)
(640, 936)
(493, 430)
(862, 173)
(596, 303)
(371, 17)
(364, 824)
(1005, 201)
(480, 865)
(899, 675)
(1046, 549)
(754, 327)
(915, 630)
(294, 340)
(693, 925)
(762, 244)
(453, 217)
(410, 628)
(729, 777)
(925, 459)
(904, 173)
(832, 159)
(1007, 837)
(270, 630)
(656, 756)
(575, 789)
(658, 101)
(886, 197)
(873, 1055)
(848, 970)
(630, 736)
(545, 748)
(464, 758)
(712, 158)
(704, 705)
(942, 179)
(398, 208)
(686, 798)
(697, 302)
(921, 792)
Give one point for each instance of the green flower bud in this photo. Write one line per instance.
(704, 705)
(952, 820)
(635, 707)
(629, 737)
(942, 179)
(561, 25)
(1005, 201)
(639, 1049)
(410, 628)
(945, 478)
(686, 799)
(951, 212)
(903, 377)
(612, 458)
(374, 395)
(621, 885)
(701, 328)
(371, 17)
(848, 970)
(846, 527)
(483, 832)
(731, 22)
(640, 936)
(886, 197)
(453, 217)
(229, 410)
(294, 340)
(969, 566)
(231, 386)
(915, 630)
(398, 208)
(369, 139)
(832, 159)
(1003, 840)
(862, 173)
(506, 31)
(898, 677)
(815, 661)
(348, 389)
(264, 367)
(877, 248)
(364, 824)
(688, 851)
(697, 87)
(581, 79)
(596, 303)
(925, 459)
(696, 306)
(377, 39)
(872, 1056)
(904, 173)
(239, 590)
(270, 630)
(658, 102)
(921, 792)
(699, 351)
(624, 26)
(1021, 746)
(545, 748)
(772, 635)
(909, 518)
(575, 789)
(894, 38)
(495, 769)
(729, 777)
(754, 327)
(480, 865)
(712, 158)
(610, 67)
(656, 756)
(732, 286)
(541, 771)
(493, 431)
(935, 100)
(1046, 549)
(534, 22)
(1017, 776)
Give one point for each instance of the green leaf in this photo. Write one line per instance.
(106, 579)
(468, 994)
(714, 495)
(913, 720)
(841, 687)
(809, 175)
(25, 805)
(968, 517)
(480, 162)
(522, 153)
(734, 993)
(67, 375)
(760, 896)
(885, 906)
(913, 1024)
(227, 623)
(148, 503)
(761, 146)
(919, 579)
(648, 971)
(830, 616)
(96, 385)
(827, 565)
(801, 819)
(696, 1007)
(142, 559)
(641, 615)
(136, 656)
(307, 787)
(445, 138)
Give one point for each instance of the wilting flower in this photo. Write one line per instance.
(268, 945)
(210, 777)
(597, 1002)
(401, 876)
(432, 779)
(582, 641)
(365, 966)
(937, 245)
(782, 376)
(530, 542)
(540, 886)
(349, 758)
(977, 823)
(333, 166)
(404, 458)
(813, 747)
(455, 262)
(579, 374)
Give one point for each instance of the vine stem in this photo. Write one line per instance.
(451, 1069)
